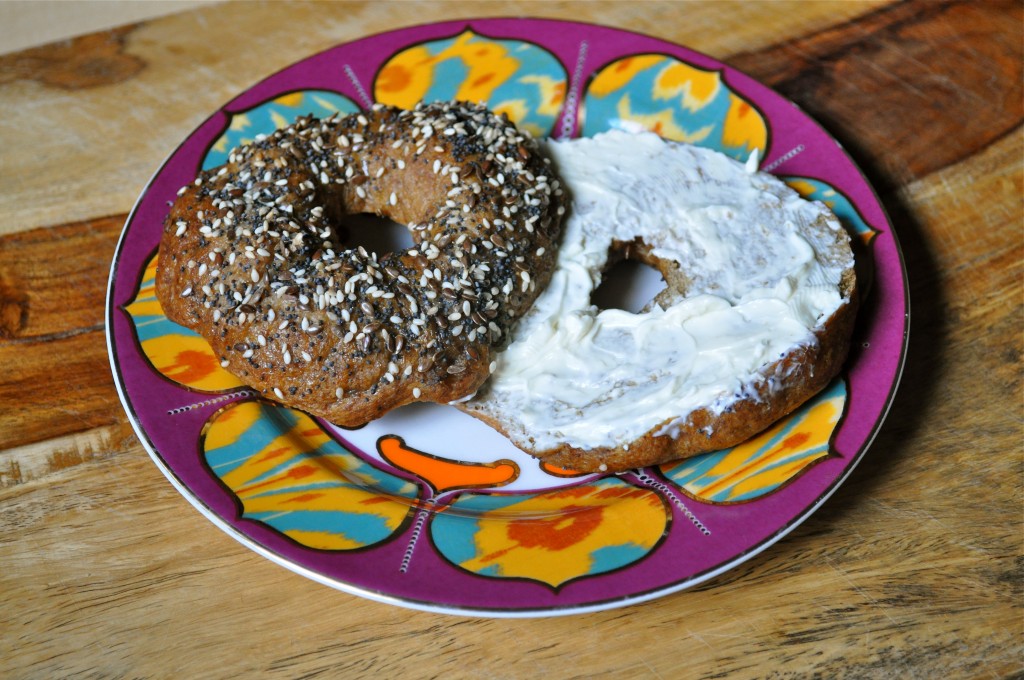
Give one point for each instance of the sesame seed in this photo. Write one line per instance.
(474, 281)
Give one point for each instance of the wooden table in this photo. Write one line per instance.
(912, 569)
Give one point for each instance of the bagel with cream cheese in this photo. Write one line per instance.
(756, 317)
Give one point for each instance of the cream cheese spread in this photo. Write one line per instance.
(761, 281)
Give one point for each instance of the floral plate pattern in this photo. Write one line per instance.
(426, 507)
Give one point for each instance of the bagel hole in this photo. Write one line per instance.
(628, 285)
(377, 234)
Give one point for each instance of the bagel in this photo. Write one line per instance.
(756, 316)
(251, 256)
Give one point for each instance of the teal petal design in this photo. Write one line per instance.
(276, 113)
(552, 537)
(816, 190)
(767, 462)
(289, 474)
(675, 99)
(514, 77)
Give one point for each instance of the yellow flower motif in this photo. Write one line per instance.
(514, 77)
(619, 75)
(768, 461)
(694, 87)
(177, 353)
(674, 99)
(404, 80)
(663, 123)
(744, 127)
(291, 100)
(553, 537)
(289, 474)
(240, 122)
(552, 93)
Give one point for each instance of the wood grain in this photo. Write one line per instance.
(194, 62)
(887, 84)
(88, 61)
(52, 291)
(914, 568)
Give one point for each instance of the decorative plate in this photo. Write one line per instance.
(428, 508)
